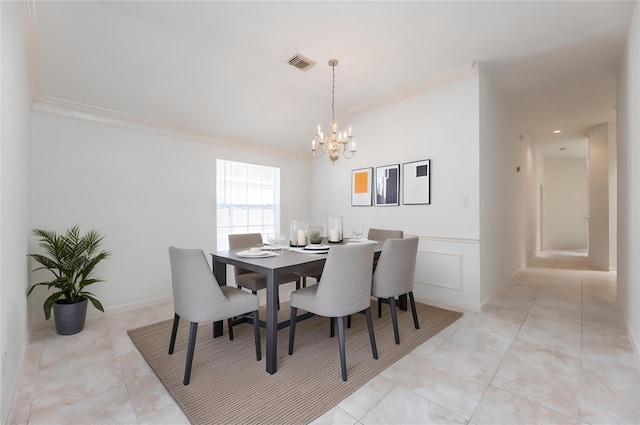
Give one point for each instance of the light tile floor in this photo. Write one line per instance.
(550, 347)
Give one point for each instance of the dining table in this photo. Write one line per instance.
(287, 260)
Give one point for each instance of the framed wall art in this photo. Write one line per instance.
(387, 192)
(361, 187)
(416, 182)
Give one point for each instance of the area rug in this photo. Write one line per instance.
(228, 385)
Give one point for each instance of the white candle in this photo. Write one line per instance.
(302, 238)
(334, 236)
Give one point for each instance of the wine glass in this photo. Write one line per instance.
(274, 240)
(357, 231)
(282, 240)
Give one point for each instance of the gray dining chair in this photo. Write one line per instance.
(394, 275)
(381, 235)
(198, 298)
(253, 281)
(344, 289)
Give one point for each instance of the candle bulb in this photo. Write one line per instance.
(349, 131)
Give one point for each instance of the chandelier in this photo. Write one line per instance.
(335, 142)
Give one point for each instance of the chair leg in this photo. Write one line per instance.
(256, 334)
(292, 328)
(394, 319)
(304, 281)
(230, 325)
(174, 332)
(193, 331)
(379, 307)
(332, 333)
(343, 358)
(349, 321)
(413, 310)
(372, 337)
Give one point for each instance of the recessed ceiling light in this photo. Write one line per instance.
(563, 149)
(557, 131)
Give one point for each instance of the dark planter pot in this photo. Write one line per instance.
(70, 318)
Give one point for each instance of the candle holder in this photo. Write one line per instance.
(334, 229)
(298, 233)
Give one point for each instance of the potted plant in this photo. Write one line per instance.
(71, 258)
(315, 235)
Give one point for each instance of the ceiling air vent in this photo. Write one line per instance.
(301, 62)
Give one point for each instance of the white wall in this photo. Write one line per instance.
(438, 123)
(506, 172)
(613, 196)
(565, 203)
(537, 188)
(14, 200)
(143, 191)
(628, 136)
(599, 196)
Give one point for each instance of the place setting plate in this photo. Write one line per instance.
(360, 240)
(259, 254)
(312, 249)
(316, 247)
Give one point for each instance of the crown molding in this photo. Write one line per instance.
(32, 47)
(457, 74)
(80, 111)
(95, 114)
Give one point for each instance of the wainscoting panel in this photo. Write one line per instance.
(448, 272)
(439, 269)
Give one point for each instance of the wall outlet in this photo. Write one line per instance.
(464, 202)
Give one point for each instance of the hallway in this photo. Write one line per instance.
(550, 347)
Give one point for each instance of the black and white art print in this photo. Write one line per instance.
(387, 185)
(416, 182)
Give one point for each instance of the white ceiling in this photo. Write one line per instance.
(221, 67)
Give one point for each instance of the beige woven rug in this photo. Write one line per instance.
(228, 385)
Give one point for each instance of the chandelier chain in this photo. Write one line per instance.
(333, 94)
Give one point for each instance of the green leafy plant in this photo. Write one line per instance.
(71, 258)
(315, 236)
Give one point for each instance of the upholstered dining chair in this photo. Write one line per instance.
(251, 280)
(394, 275)
(198, 298)
(344, 289)
(381, 235)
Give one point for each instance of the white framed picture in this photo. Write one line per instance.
(416, 182)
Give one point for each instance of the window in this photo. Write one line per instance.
(248, 199)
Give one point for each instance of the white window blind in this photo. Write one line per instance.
(248, 199)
